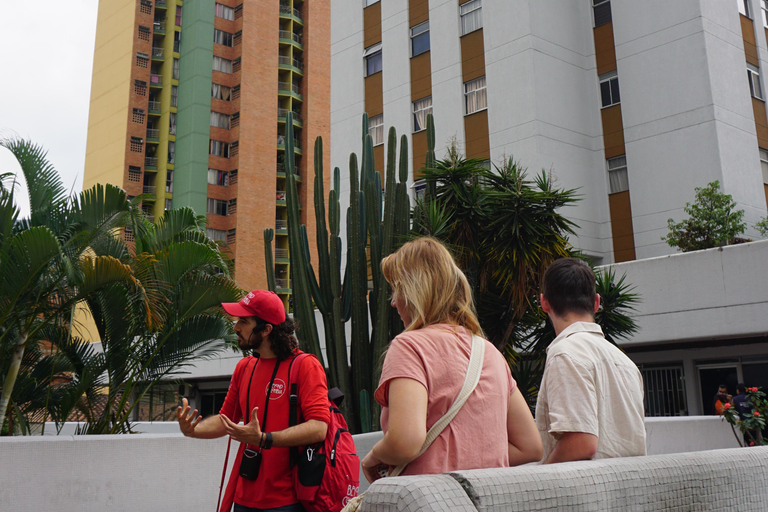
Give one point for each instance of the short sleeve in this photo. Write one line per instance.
(512, 381)
(402, 361)
(313, 391)
(231, 407)
(572, 398)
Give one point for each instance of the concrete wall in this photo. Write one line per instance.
(95, 473)
(702, 295)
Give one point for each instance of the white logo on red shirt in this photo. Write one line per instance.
(278, 389)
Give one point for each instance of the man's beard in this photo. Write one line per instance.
(253, 344)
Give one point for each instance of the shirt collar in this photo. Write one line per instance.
(577, 327)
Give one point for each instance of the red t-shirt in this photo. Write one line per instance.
(274, 486)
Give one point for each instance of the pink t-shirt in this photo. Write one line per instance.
(437, 357)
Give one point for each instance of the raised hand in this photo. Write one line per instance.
(250, 433)
(187, 421)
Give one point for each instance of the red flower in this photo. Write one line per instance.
(757, 414)
(751, 443)
(728, 406)
(754, 390)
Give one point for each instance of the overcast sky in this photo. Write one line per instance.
(46, 65)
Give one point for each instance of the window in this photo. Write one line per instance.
(474, 95)
(144, 33)
(236, 92)
(168, 204)
(471, 16)
(137, 145)
(220, 92)
(601, 9)
(421, 109)
(232, 206)
(372, 58)
(216, 177)
(172, 123)
(753, 75)
(222, 11)
(223, 65)
(217, 207)
(140, 87)
(238, 15)
(609, 89)
(764, 5)
(234, 120)
(233, 177)
(231, 237)
(169, 182)
(142, 60)
(138, 116)
(221, 37)
(171, 151)
(236, 65)
(146, 7)
(744, 8)
(664, 391)
(764, 164)
(217, 235)
(219, 120)
(419, 189)
(376, 129)
(420, 39)
(178, 15)
(233, 148)
(237, 38)
(177, 41)
(176, 68)
(218, 148)
(617, 174)
(174, 95)
(134, 174)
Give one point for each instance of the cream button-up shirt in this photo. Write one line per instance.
(591, 386)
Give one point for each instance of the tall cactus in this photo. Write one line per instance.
(269, 262)
(375, 220)
(429, 163)
(302, 299)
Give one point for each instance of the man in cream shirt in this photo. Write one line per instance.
(590, 403)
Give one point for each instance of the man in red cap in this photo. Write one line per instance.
(259, 395)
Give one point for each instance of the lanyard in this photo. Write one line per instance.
(266, 402)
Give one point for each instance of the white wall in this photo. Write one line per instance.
(145, 472)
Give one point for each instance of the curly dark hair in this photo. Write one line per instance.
(282, 339)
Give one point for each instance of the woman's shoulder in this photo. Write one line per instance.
(429, 334)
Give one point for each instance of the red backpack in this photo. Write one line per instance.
(326, 474)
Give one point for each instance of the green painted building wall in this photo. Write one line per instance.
(190, 178)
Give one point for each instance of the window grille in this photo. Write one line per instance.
(664, 391)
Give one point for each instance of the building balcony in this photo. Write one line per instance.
(159, 27)
(290, 63)
(288, 88)
(158, 53)
(282, 254)
(150, 189)
(283, 284)
(288, 36)
(150, 162)
(154, 107)
(286, 11)
(281, 143)
(153, 135)
(282, 113)
(161, 4)
(155, 80)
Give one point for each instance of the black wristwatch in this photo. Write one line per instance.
(268, 442)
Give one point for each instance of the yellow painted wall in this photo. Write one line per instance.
(110, 88)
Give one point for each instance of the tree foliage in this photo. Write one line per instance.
(762, 227)
(154, 302)
(713, 221)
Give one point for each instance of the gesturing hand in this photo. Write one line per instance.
(250, 433)
(187, 421)
(373, 468)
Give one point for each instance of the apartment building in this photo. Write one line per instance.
(189, 103)
(633, 103)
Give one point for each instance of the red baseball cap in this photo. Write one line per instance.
(261, 303)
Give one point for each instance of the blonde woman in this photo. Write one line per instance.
(424, 370)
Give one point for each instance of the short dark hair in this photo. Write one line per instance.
(282, 339)
(741, 387)
(569, 287)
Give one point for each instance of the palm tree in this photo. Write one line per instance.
(155, 304)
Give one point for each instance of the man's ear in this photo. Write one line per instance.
(267, 330)
(544, 304)
(597, 302)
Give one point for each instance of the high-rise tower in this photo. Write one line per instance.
(189, 102)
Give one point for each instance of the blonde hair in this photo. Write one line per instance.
(435, 289)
